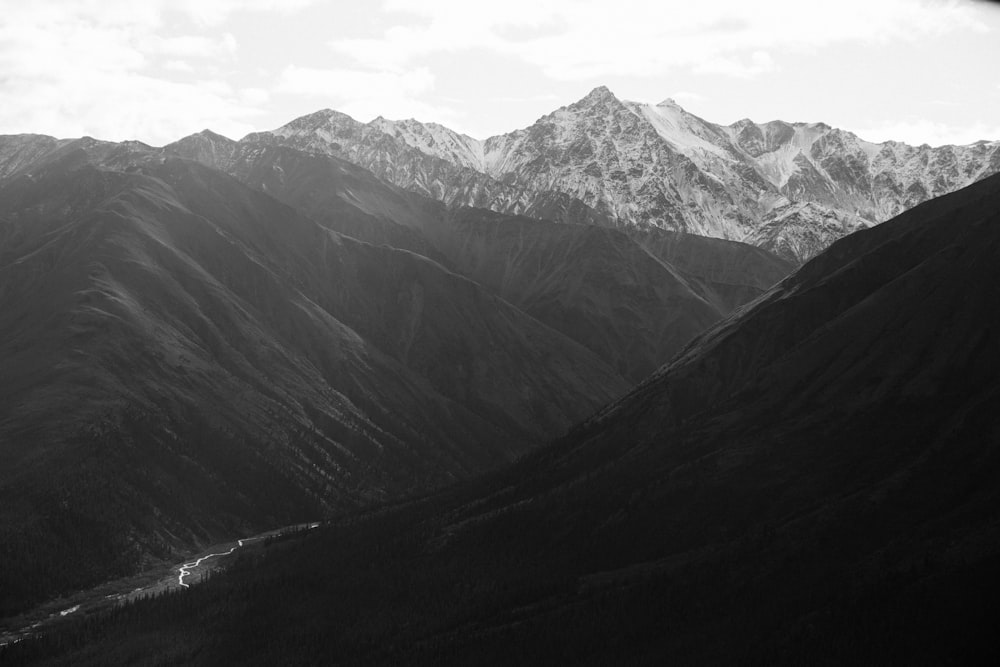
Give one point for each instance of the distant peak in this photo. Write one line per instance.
(669, 102)
(324, 119)
(599, 94)
(209, 134)
(322, 115)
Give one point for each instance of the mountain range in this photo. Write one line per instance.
(811, 480)
(791, 188)
(165, 328)
(560, 395)
(284, 336)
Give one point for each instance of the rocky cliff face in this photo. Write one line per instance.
(428, 159)
(790, 187)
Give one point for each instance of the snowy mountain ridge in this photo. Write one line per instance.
(658, 165)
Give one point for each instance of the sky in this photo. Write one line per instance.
(919, 71)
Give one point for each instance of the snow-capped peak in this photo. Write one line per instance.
(599, 95)
(660, 165)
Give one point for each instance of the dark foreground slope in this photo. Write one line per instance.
(811, 482)
(185, 359)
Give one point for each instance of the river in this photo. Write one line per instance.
(111, 593)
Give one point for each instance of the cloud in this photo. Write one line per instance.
(543, 97)
(254, 96)
(687, 97)
(744, 68)
(337, 82)
(189, 46)
(365, 94)
(214, 12)
(581, 39)
(153, 69)
(916, 131)
(178, 66)
(120, 69)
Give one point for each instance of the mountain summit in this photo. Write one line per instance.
(792, 188)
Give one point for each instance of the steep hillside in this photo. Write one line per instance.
(595, 285)
(811, 481)
(730, 274)
(657, 306)
(20, 150)
(186, 358)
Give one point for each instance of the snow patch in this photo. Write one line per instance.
(673, 125)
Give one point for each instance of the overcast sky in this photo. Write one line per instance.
(155, 70)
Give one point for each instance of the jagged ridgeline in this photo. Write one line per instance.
(791, 188)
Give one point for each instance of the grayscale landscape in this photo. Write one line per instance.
(616, 382)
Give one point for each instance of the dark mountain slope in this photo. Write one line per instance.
(865, 315)
(410, 308)
(18, 151)
(731, 274)
(593, 284)
(343, 197)
(635, 332)
(812, 481)
(185, 358)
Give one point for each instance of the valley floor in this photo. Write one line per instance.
(163, 577)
